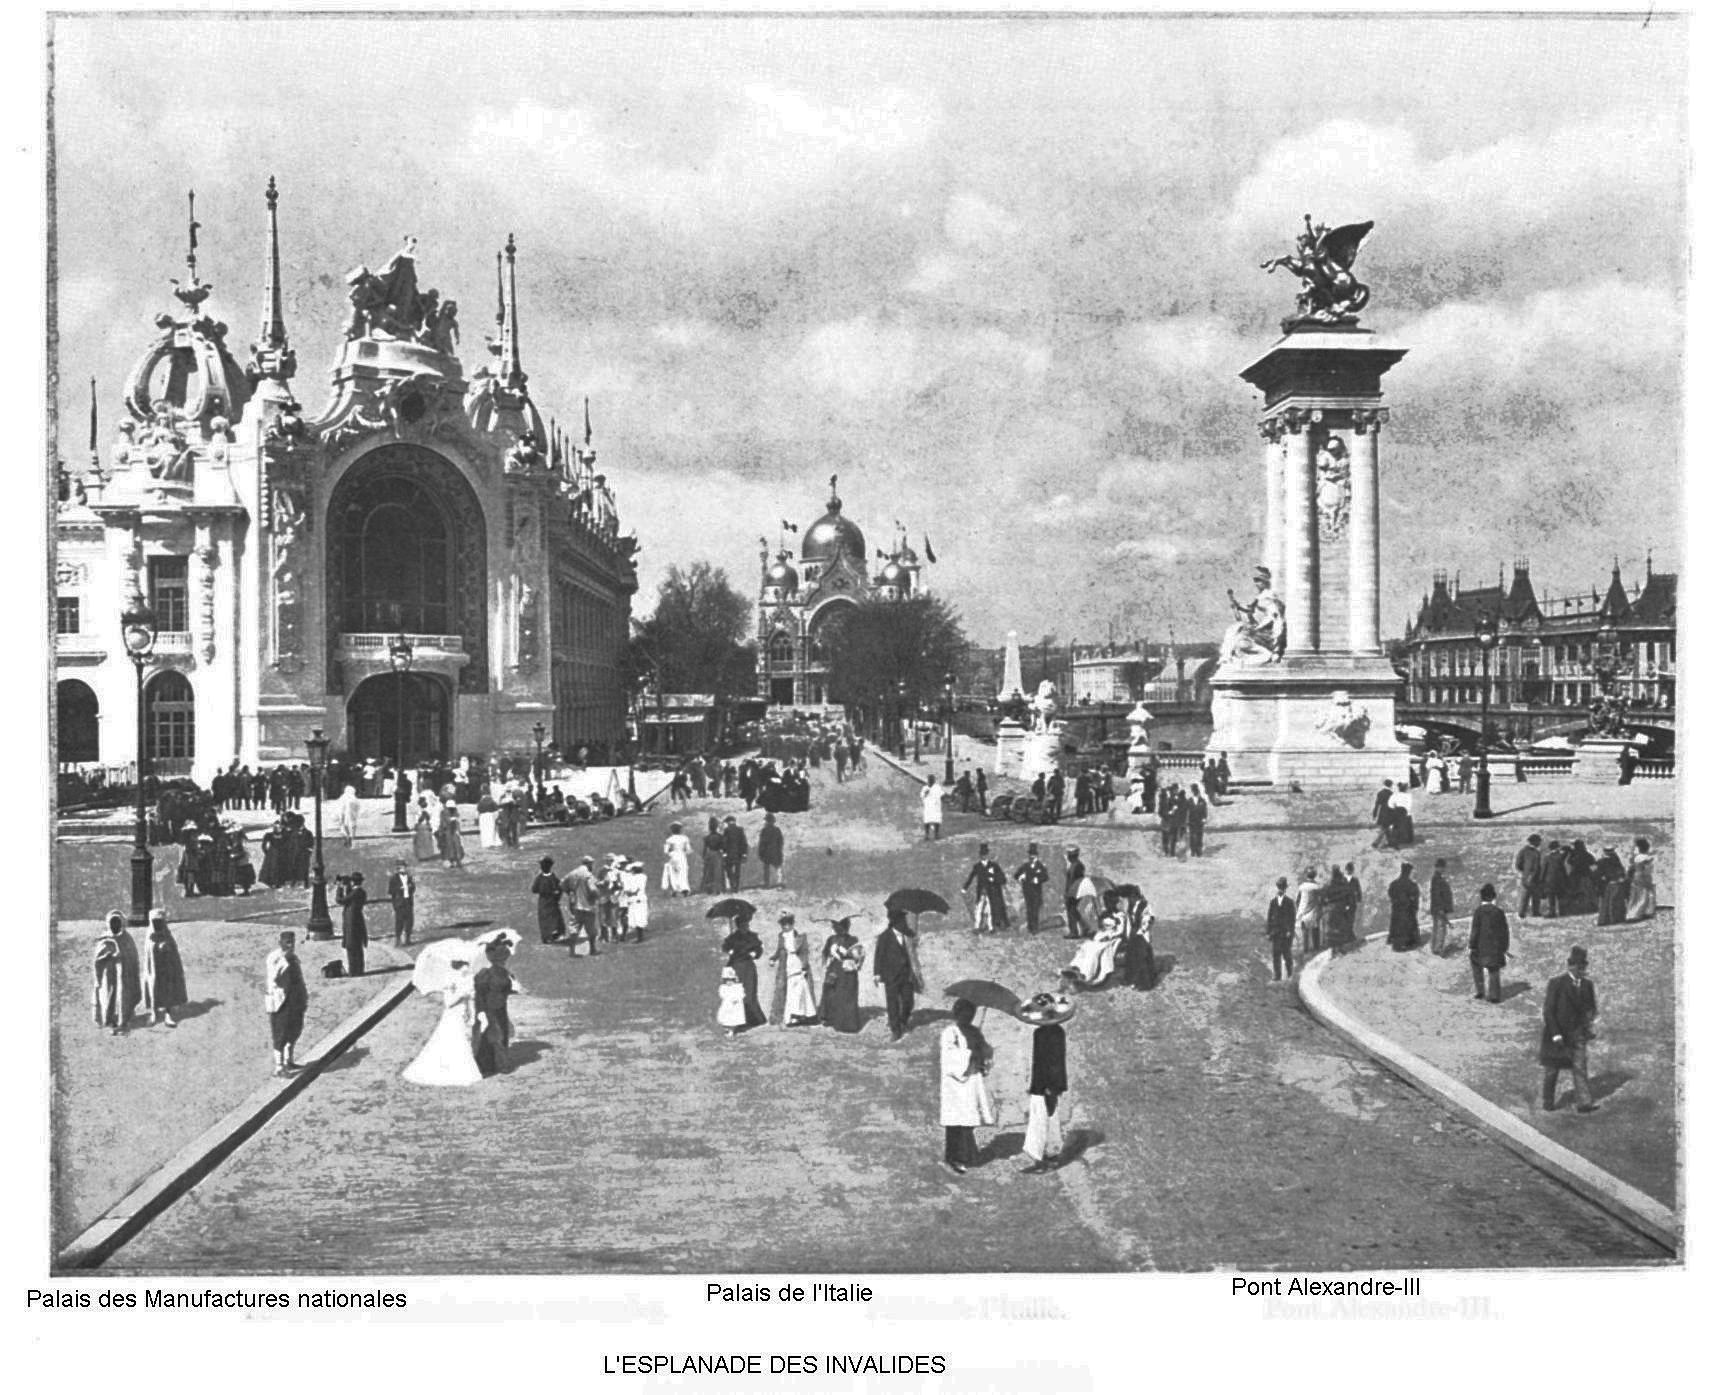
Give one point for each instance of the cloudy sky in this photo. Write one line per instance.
(999, 275)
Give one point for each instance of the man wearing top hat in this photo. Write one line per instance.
(896, 972)
(1566, 1029)
(1032, 877)
(401, 891)
(988, 878)
(1043, 1140)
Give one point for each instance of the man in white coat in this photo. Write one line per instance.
(965, 1059)
(933, 806)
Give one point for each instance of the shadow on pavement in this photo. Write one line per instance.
(1514, 989)
(1522, 808)
(196, 1009)
(347, 1059)
(524, 1053)
(1609, 1082)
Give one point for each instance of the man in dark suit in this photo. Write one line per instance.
(734, 848)
(1032, 876)
(1281, 928)
(1566, 1030)
(1383, 815)
(988, 878)
(1489, 945)
(1195, 817)
(1531, 872)
(1439, 911)
(401, 891)
(1075, 872)
(895, 971)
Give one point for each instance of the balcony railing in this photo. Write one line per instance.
(376, 645)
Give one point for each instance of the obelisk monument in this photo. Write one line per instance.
(1304, 693)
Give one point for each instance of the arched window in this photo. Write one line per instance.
(397, 558)
(79, 721)
(170, 717)
(780, 650)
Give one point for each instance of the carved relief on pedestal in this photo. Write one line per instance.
(289, 520)
(528, 627)
(1344, 721)
(206, 559)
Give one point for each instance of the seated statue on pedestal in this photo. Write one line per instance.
(1043, 705)
(1258, 634)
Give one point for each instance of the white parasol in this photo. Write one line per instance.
(441, 963)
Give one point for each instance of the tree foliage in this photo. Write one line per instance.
(694, 641)
(874, 646)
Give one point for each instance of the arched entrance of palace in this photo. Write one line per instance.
(407, 552)
(79, 724)
(373, 713)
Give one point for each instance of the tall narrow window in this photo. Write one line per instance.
(67, 615)
(171, 723)
(169, 593)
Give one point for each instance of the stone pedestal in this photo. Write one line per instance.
(1138, 752)
(1008, 749)
(1597, 760)
(1321, 721)
(1042, 749)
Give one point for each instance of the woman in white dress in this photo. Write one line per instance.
(633, 898)
(965, 1104)
(675, 873)
(345, 814)
(1096, 959)
(448, 1057)
(1644, 900)
(793, 989)
(488, 819)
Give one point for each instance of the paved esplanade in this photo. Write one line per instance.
(1215, 1123)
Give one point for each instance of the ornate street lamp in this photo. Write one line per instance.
(901, 750)
(137, 624)
(1486, 634)
(399, 653)
(949, 702)
(320, 926)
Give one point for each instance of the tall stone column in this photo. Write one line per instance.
(1273, 432)
(1365, 530)
(1302, 539)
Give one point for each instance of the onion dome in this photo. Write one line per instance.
(781, 574)
(832, 534)
(188, 369)
(907, 555)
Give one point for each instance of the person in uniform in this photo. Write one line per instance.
(286, 1001)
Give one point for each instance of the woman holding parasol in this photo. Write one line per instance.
(448, 1057)
(965, 1059)
(742, 947)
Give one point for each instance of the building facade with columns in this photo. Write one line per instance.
(282, 552)
(800, 593)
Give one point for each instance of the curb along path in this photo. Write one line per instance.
(126, 1218)
(1630, 1205)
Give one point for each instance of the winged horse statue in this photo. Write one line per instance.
(1322, 261)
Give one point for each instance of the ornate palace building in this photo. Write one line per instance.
(282, 553)
(1548, 652)
(799, 594)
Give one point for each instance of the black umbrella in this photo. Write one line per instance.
(732, 908)
(914, 902)
(985, 993)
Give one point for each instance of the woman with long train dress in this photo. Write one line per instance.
(448, 1057)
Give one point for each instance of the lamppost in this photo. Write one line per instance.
(320, 926)
(1486, 634)
(540, 736)
(949, 776)
(901, 751)
(137, 624)
(399, 652)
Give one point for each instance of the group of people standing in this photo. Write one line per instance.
(796, 1002)
(966, 1103)
(607, 903)
(1329, 912)
(1567, 879)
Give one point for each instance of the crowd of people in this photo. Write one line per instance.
(765, 784)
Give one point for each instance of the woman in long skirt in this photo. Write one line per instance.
(422, 841)
(793, 989)
(451, 836)
(675, 872)
(488, 821)
(1643, 901)
(1612, 888)
(448, 1057)
(713, 860)
(742, 948)
(841, 968)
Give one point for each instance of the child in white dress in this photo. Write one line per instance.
(731, 1013)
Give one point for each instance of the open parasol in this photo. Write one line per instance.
(836, 908)
(985, 993)
(510, 936)
(730, 908)
(441, 962)
(915, 901)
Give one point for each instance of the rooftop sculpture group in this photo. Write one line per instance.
(1322, 261)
